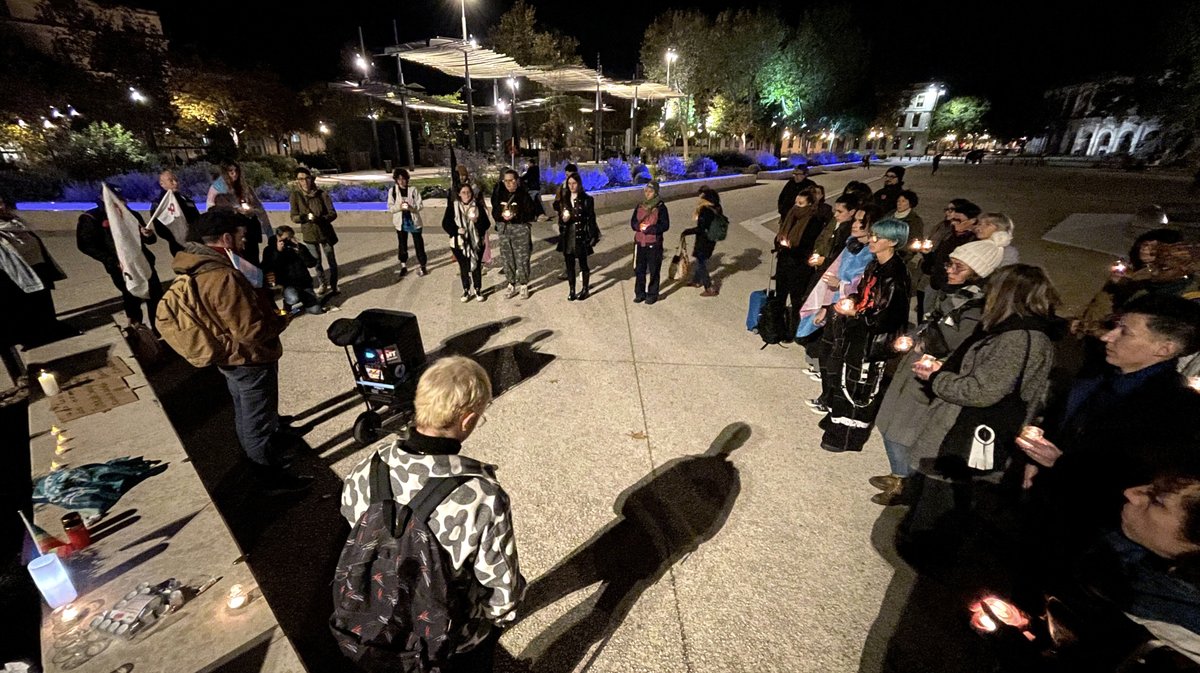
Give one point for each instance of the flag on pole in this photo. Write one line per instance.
(251, 272)
(128, 241)
(171, 216)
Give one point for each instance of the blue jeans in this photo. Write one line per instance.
(330, 258)
(303, 296)
(897, 454)
(700, 273)
(255, 393)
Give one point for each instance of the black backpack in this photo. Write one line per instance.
(771, 320)
(393, 605)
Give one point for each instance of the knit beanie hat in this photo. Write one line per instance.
(982, 256)
(898, 170)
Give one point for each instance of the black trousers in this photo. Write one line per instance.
(402, 247)
(570, 259)
(470, 279)
(647, 270)
(792, 274)
(132, 304)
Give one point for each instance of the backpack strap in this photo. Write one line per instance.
(435, 492)
(381, 490)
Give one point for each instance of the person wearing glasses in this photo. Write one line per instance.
(893, 185)
(861, 330)
(513, 213)
(958, 229)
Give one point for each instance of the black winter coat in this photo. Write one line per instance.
(787, 195)
(521, 201)
(94, 239)
(290, 266)
(583, 216)
(703, 246)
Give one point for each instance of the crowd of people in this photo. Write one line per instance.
(1030, 474)
(937, 336)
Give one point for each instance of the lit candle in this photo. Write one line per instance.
(1032, 432)
(506, 213)
(1119, 267)
(845, 305)
(49, 383)
(61, 449)
(1193, 382)
(473, 213)
(815, 259)
(237, 597)
(903, 343)
(915, 245)
(55, 465)
(926, 245)
(70, 613)
(245, 206)
(52, 581)
(926, 361)
(55, 430)
(566, 214)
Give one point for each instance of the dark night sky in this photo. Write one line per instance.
(1007, 51)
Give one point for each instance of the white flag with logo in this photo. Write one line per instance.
(128, 239)
(171, 216)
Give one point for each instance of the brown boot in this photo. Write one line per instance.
(891, 496)
(885, 482)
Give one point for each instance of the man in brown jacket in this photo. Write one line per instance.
(247, 321)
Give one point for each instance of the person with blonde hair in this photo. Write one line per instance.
(473, 525)
(998, 228)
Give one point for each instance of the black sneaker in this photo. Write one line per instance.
(638, 300)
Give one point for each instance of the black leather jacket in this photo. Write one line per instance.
(887, 288)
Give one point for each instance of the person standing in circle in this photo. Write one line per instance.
(404, 203)
(243, 199)
(650, 220)
(578, 233)
(466, 223)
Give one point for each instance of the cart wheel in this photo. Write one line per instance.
(366, 427)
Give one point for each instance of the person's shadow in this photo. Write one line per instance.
(660, 520)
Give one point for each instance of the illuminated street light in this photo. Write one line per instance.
(672, 56)
(513, 83)
(46, 123)
(55, 114)
(136, 96)
(362, 64)
(21, 123)
(322, 128)
(72, 112)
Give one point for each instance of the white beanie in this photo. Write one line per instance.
(982, 256)
(1001, 238)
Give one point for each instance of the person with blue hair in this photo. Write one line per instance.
(861, 333)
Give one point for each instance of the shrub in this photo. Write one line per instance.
(136, 186)
(618, 172)
(641, 174)
(256, 174)
(823, 158)
(283, 168)
(797, 160)
(358, 193)
(553, 175)
(30, 185)
(195, 179)
(101, 150)
(671, 167)
(702, 167)
(766, 159)
(594, 179)
(731, 158)
(852, 158)
(434, 192)
(316, 161)
(84, 192)
(270, 191)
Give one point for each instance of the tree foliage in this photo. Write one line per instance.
(99, 150)
(516, 34)
(204, 98)
(963, 114)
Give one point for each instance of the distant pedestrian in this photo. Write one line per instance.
(866, 161)
(404, 203)
(704, 246)
(937, 161)
(466, 223)
(513, 211)
(232, 182)
(578, 234)
(312, 209)
(650, 220)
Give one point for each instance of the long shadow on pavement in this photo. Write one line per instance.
(660, 520)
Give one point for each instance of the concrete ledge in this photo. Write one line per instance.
(164, 527)
(785, 173)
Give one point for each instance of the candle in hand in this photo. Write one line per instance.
(1119, 267)
(815, 259)
(1032, 432)
(915, 245)
(926, 245)
(903, 343)
(845, 305)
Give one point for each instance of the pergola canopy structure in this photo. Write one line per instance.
(446, 55)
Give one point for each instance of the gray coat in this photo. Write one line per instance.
(907, 398)
(990, 370)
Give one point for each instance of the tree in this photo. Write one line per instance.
(205, 98)
(100, 150)
(516, 34)
(961, 115)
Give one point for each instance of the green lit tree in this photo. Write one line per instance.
(962, 115)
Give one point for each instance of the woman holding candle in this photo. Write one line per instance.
(578, 233)
(650, 220)
(859, 336)
(957, 310)
(466, 223)
(982, 394)
(231, 182)
(794, 242)
(1130, 279)
(404, 203)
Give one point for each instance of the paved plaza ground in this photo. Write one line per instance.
(776, 560)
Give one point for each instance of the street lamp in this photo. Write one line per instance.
(136, 96)
(467, 41)
(363, 64)
(322, 128)
(672, 56)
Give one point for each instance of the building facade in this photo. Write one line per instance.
(1094, 119)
